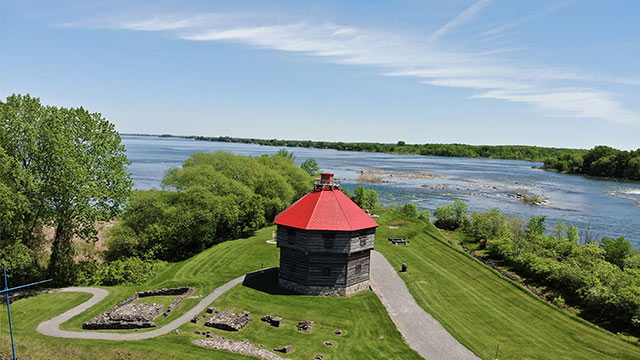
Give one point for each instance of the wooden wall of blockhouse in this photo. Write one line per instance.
(294, 265)
(357, 274)
(362, 240)
(313, 269)
(313, 241)
(336, 264)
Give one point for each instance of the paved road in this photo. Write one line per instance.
(52, 327)
(423, 333)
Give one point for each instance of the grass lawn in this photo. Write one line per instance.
(362, 317)
(482, 309)
(368, 332)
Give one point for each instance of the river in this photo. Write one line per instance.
(597, 207)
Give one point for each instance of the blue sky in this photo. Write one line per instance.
(550, 73)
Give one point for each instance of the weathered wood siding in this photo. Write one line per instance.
(358, 267)
(294, 265)
(325, 258)
(362, 240)
(327, 270)
(313, 241)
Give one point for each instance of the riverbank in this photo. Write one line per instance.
(505, 152)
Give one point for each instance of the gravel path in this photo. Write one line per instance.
(422, 332)
(52, 327)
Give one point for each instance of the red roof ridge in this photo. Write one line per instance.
(341, 208)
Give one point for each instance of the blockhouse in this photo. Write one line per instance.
(325, 242)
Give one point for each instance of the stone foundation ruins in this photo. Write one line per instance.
(243, 347)
(226, 320)
(131, 315)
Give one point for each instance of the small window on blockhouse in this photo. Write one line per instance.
(293, 267)
(326, 271)
(291, 236)
(328, 240)
(358, 269)
(363, 240)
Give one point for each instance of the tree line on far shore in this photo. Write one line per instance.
(512, 152)
(601, 161)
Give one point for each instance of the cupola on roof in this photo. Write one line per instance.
(325, 208)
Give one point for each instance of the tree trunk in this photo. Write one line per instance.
(61, 265)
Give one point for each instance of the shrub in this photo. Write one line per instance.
(424, 214)
(453, 216)
(410, 210)
(127, 271)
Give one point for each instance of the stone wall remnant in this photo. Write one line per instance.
(274, 321)
(305, 326)
(131, 315)
(243, 347)
(229, 321)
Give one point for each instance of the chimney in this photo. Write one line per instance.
(326, 178)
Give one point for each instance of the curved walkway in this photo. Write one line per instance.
(423, 333)
(52, 327)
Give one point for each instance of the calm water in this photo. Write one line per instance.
(604, 208)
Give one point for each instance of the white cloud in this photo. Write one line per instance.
(461, 19)
(489, 70)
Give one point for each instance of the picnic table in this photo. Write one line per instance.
(397, 241)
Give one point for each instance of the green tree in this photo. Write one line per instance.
(409, 210)
(310, 165)
(286, 154)
(215, 197)
(488, 225)
(536, 225)
(365, 198)
(72, 172)
(453, 216)
(617, 250)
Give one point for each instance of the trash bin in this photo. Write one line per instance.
(404, 268)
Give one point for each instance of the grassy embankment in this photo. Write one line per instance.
(362, 317)
(479, 307)
(482, 309)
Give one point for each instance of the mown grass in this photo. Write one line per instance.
(483, 310)
(205, 271)
(368, 332)
(362, 317)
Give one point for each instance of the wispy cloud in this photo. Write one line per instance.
(461, 19)
(510, 25)
(488, 73)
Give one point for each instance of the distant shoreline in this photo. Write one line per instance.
(504, 152)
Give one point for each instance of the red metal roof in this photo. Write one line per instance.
(325, 208)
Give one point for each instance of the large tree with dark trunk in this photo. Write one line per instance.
(61, 167)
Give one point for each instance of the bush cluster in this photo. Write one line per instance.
(210, 199)
(601, 278)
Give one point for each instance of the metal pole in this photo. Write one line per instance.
(23, 286)
(6, 287)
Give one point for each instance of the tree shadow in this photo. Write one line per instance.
(266, 281)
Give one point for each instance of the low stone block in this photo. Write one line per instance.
(305, 326)
(228, 321)
(285, 349)
(274, 321)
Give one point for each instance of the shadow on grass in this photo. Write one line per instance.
(266, 281)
